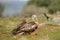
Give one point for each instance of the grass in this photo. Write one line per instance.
(43, 33)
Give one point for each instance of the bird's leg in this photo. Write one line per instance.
(19, 34)
(33, 33)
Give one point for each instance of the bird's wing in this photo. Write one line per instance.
(28, 27)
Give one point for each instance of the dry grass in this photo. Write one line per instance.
(46, 32)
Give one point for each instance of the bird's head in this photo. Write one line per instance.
(34, 18)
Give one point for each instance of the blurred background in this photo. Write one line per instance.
(24, 7)
(12, 7)
(47, 12)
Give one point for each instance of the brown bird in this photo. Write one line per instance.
(15, 30)
(28, 27)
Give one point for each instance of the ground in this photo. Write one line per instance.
(50, 31)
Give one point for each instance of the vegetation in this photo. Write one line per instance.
(49, 31)
(52, 32)
(52, 5)
(1, 9)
